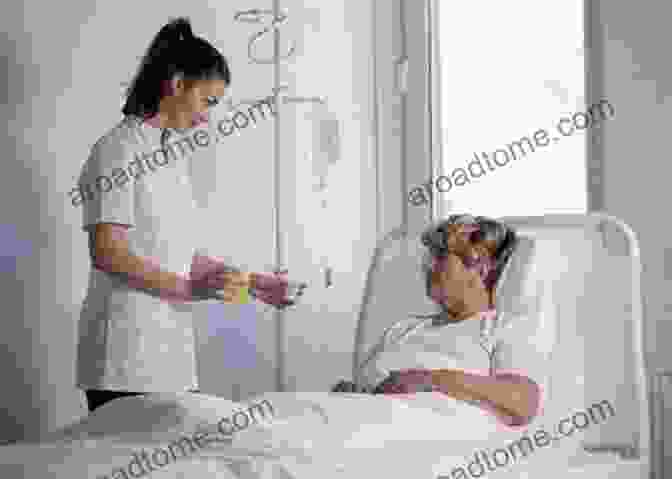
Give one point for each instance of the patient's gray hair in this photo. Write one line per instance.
(504, 238)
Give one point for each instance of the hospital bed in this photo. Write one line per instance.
(589, 267)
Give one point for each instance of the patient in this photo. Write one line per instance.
(465, 257)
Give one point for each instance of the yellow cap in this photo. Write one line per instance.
(243, 295)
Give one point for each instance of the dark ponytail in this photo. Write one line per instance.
(174, 50)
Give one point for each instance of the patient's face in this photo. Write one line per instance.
(460, 290)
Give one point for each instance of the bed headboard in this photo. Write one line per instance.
(592, 265)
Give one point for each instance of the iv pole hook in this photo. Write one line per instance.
(255, 16)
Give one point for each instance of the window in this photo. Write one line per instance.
(509, 75)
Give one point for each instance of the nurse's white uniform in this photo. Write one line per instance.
(128, 339)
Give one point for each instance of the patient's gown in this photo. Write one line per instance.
(455, 345)
(488, 344)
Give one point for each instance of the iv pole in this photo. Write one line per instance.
(278, 315)
(279, 17)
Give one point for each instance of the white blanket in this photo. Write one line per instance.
(309, 435)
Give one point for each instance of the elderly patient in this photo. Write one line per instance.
(465, 257)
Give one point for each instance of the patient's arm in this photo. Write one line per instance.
(509, 395)
(513, 398)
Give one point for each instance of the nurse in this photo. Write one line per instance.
(134, 337)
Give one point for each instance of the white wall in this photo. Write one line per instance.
(629, 46)
(62, 93)
(628, 51)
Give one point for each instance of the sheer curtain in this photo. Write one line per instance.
(509, 73)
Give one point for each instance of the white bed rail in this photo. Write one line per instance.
(641, 448)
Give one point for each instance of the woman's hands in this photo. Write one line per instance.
(226, 285)
(212, 277)
(275, 289)
(411, 381)
(407, 381)
(269, 288)
(345, 386)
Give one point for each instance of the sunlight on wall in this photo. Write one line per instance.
(509, 69)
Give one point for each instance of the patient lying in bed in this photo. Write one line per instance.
(473, 353)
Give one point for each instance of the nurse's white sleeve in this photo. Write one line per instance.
(107, 187)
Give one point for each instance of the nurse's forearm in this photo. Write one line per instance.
(110, 252)
(145, 274)
(203, 266)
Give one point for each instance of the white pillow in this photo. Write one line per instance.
(516, 290)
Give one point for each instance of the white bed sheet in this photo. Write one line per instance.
(311, 435)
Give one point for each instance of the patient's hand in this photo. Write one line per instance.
(411, 381)
(514, 399)
(344, 386)
(407, 381)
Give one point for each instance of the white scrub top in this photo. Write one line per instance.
(128, 339)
